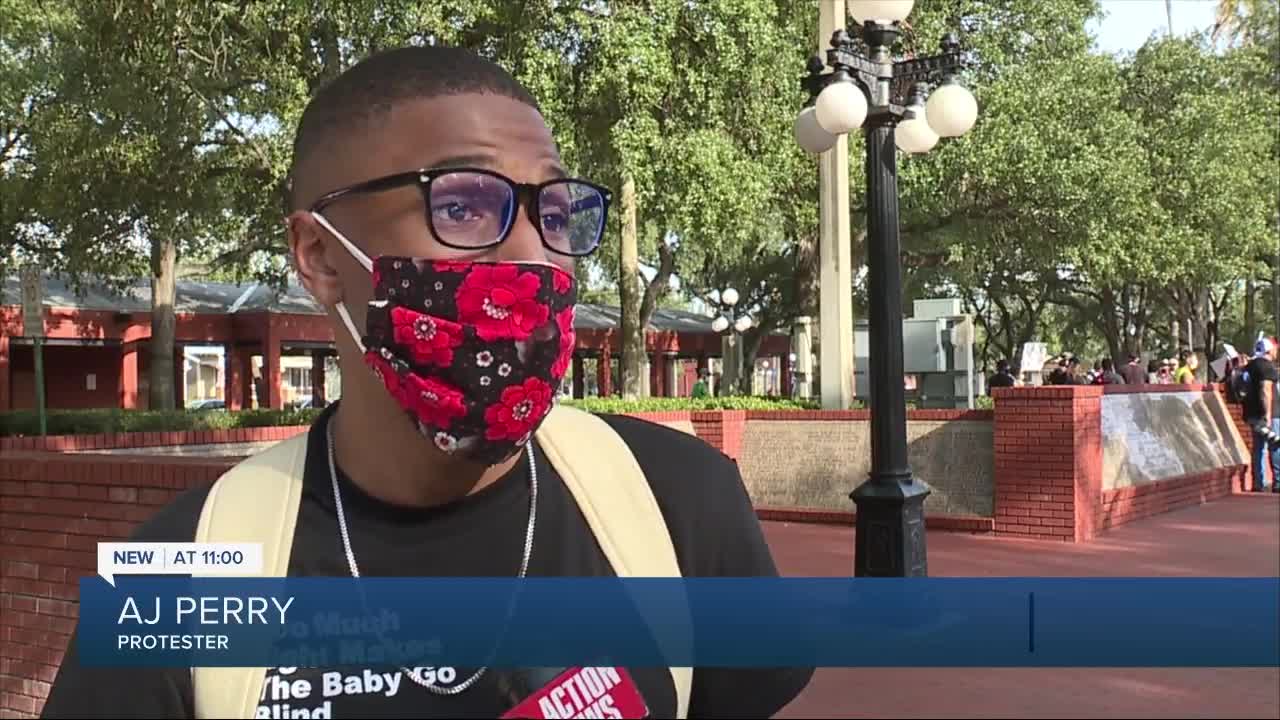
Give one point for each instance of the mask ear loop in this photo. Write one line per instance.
(361, 258)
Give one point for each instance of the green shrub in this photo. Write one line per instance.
(112, 420)
(659, 404)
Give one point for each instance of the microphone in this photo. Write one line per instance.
(578, 692)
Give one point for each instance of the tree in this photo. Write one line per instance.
(1043, 201)
(677, 100)
(170, 138)
(1209, 142)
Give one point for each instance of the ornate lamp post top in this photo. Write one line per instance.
(870, 84)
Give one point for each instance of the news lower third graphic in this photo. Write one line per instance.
(146, 612)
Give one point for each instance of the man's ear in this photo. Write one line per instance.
(307, 251)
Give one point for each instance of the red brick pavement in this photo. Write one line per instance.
(1238, 536)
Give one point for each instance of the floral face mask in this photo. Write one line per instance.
(473, 352)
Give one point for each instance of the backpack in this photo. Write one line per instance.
(1238, 385)
(258, 499)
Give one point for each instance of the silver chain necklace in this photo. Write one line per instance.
(355, 570)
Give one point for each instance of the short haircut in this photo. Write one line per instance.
(380, 82)
(1106, 364)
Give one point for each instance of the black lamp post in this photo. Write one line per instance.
(866, 84)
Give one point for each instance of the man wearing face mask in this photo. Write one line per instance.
(431, 216)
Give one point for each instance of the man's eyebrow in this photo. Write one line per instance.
(551, 167)
(474, 160)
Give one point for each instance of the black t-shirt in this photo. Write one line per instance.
(1260, 369)
(1060, 376)
(1000, 380)
(702, 498)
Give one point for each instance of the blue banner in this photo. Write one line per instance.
(726, 622)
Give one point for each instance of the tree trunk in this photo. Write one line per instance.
(807, 284)
(164, 292)
(750, 343)
(1250, 322)
(629, 294)
(657, 288)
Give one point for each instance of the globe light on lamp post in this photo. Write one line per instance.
(866, 87)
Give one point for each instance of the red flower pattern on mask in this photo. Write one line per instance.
(431, 340)
(435, 403)
(519, 410)
(564, 319)
(501, 302)
(451, 266)
(562, 281)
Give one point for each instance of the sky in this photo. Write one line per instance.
(1129, 23)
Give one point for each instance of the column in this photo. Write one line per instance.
(129, 376)
(784, 367)
(604, 374)
(271, 365)
(802, 346)
(249, 383)
(235, 378)
(317, 378)
(671, 365)
(835, 254)
(579, 377)
(1048, 485)
(6, 398)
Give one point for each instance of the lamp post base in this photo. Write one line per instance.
(890, 540)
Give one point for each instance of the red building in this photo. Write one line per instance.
(248, 345)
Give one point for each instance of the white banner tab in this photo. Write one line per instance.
(189, 558)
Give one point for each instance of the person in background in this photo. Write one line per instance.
(1232, 378)
(1260, 414)
(1153, 372)
(1107, 374)
(1132, 372)
(1165, 375)
(700, 389)
(1091, 377)
(1188, 362)
(1061, 374)
(1003, 377)
(1075, 372)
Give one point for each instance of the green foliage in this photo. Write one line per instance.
(1090, 190)
(90, 422)
(658, 404)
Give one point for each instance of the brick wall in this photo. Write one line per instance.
(108, 441)
(1048, 466)
(54, 509)
(1048, 461)
(1127, 504)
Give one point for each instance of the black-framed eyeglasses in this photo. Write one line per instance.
(474, 208)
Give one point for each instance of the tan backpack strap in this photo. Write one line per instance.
(618, 504)
(255, 501)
